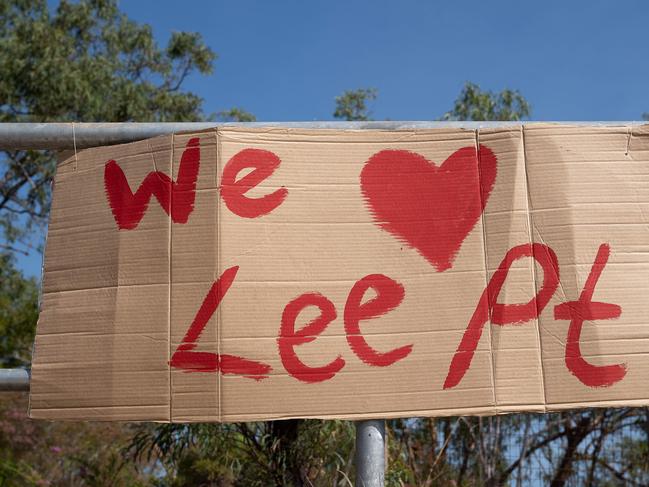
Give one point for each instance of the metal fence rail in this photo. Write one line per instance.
(82, 135)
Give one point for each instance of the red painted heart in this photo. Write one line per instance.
(432, 209)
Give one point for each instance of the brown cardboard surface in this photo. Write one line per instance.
(484, 241)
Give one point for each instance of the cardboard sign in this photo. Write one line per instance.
(256, 274)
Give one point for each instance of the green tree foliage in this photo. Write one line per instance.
(18, 314)
(353, 105)
(83, 62)
(289, 453)
(478, 105)
(42, 453)
(235, 115)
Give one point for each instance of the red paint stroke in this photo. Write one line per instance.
(289, 338)
(192, 361)
(432, 209)
(504, 314)
(389, 295)
(587, 309)
(175, 198)
(263, 164)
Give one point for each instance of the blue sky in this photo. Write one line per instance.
(288, 59)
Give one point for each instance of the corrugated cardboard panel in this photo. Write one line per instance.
(187, 299)
(194, 268)
(518, 374)
(588, 187)
(103, 329)
(326, 212)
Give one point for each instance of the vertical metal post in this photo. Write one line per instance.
(370, 453)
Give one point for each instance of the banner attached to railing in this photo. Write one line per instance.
(255, 274)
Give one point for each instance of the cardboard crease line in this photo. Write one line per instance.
(530, 227)
(169, 257)
(486, 268)
(217, 272)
